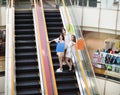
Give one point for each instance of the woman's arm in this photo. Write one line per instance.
(56, 40)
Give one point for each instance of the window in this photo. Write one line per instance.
(2, 2)
(83, 2)
(93, 3)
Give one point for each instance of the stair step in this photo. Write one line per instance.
(66, 80)
(27, 85)
(56, 29)
(72, 73)
(28, 56)
(26, 69)
(30, 91)
(52, 19)
(25, 12)
(26, 62)
(54, 14)
(22, 21)
(67, 89)
(27, 75)
(24, 31)
(23, 17)
(24, 37)
(69, 93)
(25, 43)
(25, 49)
(53, 24)
(24, 26)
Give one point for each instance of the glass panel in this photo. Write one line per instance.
(83, 53)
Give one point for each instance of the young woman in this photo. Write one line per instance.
(69, 53)
(60, 50)
(67, 37)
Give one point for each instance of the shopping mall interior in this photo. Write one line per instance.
(32, 64)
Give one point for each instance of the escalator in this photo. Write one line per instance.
(26, 62)
(66, 80)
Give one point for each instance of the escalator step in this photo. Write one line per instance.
(26, 62)
(24, 37)
(25, 49)
(69, 93)
(24, 31)
(49, 14)
(26, 56)
(67, 89)
(23, 12)
(52, 19)
(56, 29)
(23, 21)
(67, 73)
(23, 16)
(53, 24)
(27, 76)
(31, 84)
(65, 80)
(24, 26)
(25, 43)
(26, 69)
(30, 91)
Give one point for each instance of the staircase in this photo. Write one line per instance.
(66, 81)
(27, 72)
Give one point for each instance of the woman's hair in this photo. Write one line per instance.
(74, 40)
(62, 36)
(63, 29)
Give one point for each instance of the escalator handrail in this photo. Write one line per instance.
(10, 52)
(42, 74)
(48, 47)
(50, 59)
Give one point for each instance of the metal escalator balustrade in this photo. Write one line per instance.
(27, 72)
(66, 81)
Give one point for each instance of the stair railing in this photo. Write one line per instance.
(10, 51)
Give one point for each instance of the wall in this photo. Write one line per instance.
(94, 18)
(2, 16)
(111, 88)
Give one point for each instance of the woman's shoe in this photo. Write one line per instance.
(70, 69)
(59, 70)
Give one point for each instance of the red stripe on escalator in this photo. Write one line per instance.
(44, 51)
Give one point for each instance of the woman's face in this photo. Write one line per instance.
(61, 38)
(63, 31)
(72, 38)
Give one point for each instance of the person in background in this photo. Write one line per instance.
(60, 50)
(69, 53)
